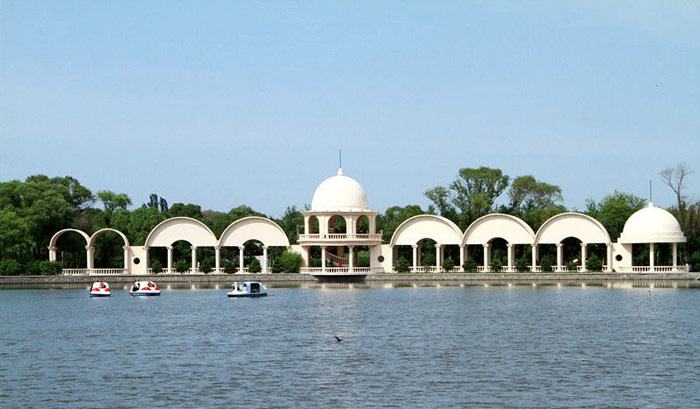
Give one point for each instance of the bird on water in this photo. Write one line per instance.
(337, 339)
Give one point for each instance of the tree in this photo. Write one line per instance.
(254, 266)
(546, 264)
(186, 210)
(495, 266)
(181, 266)
(594, 263)
(448, 264)
(534, 201)
(470, 265)
(614, 210)
(230, 267)
(156, 267)
(402, 266)
(292, 220)
(15, 242)
(521, 265)
(113, 201)
(675, 179)
(289, 262)
(393, 217)
(206, 266)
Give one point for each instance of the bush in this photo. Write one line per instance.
(521, 265)
(10, 267)
(33, 268)
(315, 262)
(156, 267)
(276, 267)
(402, 266)
(594, 263)
(254, 266)
(428, 260)
(230, 267)
(182, 266)
(448, 264)
(289, 262)
(363, 258)
(50, 268)
(206, 266)
(546, 264)
(470, 265)
(572, 266)
(496, 265)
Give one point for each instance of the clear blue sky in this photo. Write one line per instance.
(229, 103)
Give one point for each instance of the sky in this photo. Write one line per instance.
(228, 103)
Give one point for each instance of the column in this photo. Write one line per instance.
(534, 257)
(487, 257)
(323, 259)
(651, 257)
(126, 259)
(148, 258)
(217, 259)
(351, 258)
(674, 246)
(241, 259)
(170, 259)
(609, 257)
(560, 256)
(90, 257)
(438, 253)
(194, 258)
(52, 253)
(510, 257)
(462, 249)
(264, 266)
(584, 256)
(415, 256)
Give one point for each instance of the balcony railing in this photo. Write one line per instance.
(340, 236)
(93, 271)
(340, 270)
(657, 269)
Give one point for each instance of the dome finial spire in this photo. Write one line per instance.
(340, 161)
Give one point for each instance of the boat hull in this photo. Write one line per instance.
(145, 294)
(99, 295)
(245, 295)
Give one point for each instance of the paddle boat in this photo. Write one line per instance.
(247, 289)
(99, 289)
(144, 288)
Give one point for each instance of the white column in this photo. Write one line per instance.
(264, 267)
(126, 259)
(323, 259)
(415, 256)
(170, 259)
(194, 258)
(560, 256)
(90, 257)
(651, 257)
(351, 258)
(241, 258)
(674, 246)
(217, 258)
(462, 249)
(609, 257)
(584, 256)
(534, 257)
(438, 253)
(510, 256)
(52, 253)
(487, 257)
(148, 258)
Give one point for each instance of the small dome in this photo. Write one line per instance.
(339, 193)
(652, 225)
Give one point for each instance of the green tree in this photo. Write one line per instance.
(447, 265)
(186, 210)
(206, 266)
(50, 268)
(10, 267)
(113, 201)
(470, 265)
(594, 263)
(393, 217)
(402, 266)
(230, 267)
(156, 267)
(614, 210)
(521, 265)
(290, 262)
(292, 222)
(546, 264)
(254, 266)
(534, 201)
(181, 266)
(15, 242)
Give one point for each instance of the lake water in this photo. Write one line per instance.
(530, 347)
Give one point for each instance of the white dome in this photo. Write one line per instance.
(652, 225)
(339, 193)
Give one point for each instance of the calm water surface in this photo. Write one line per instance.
(494, 347)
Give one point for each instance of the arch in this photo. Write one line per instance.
(54, 239)
(264, 230)
(498, 225)
(426, 226)
(181, 228)
(578, 225)
(91, 241)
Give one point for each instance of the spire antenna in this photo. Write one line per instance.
(340, 158)
(650, 192)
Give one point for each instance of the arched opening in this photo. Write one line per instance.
(71, 251)
(571, 255)
(402, 258)
(253, 256)
(337, 225)
(182, 256)
(362, 225)
(497, 255)
(314, 256)
(312, 226)
(109, 250)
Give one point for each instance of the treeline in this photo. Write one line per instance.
(32, 211)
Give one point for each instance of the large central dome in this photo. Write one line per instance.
(339, 193)
(652, 225)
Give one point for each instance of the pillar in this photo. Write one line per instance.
(510, 256)
(148, 258)
(462, 249)
(90, 257)
(323, 259)
(609, 257)
(264, 266)
(217, 258)
(194, 258)
(560, 256)
(584, 256)
(351, 258)
(534, 257)
(170, 259)
(52, 253)
(651, 257)
(241, 259)
(438, 253)
(126, 258)
(674, 246)
(487, 257)
(415, 256)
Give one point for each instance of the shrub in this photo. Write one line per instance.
(572, 266)
(448, 264)
(289, 262)
(181, 266)
(546, 264)
(33, 268)
(50, 268)
(496, 265)
(363, 258)
(10, 267)
(254, 266)
(521, 265)
(156, 267)
(428, 260)
(206, 266)
(402, 266)
(470, 265)
(230, 267)
(594, 263)
(315, 262)
(276, 267)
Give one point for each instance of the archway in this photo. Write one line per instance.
(259, 229)
(110, 250)
(498, 237)
(337, 225)
(415, 230)
(71, 250)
